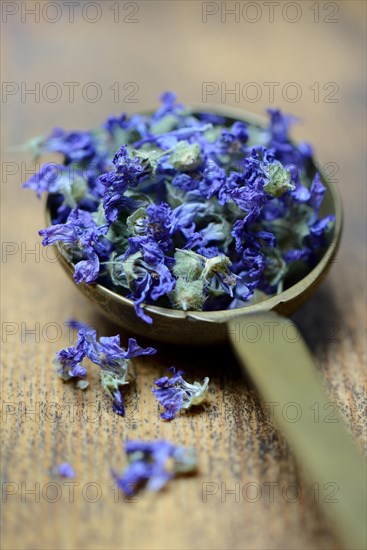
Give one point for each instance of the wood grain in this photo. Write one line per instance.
(171, 48)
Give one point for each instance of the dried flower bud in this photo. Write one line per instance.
(188, 295)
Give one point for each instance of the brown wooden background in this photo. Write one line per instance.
(170, 47)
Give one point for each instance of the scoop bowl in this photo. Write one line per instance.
(205, 328)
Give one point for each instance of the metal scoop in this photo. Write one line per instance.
(270, 350)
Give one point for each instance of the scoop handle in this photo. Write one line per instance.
(272, 352)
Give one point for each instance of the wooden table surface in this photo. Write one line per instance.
(45, 422)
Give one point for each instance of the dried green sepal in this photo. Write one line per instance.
(275, 268)
(186, 462)
(220, 231)
(165, 124)
(82, 384)
(130, 266)
(175, 195)
(199, 395)
(291, 230)
(186, 157)
(116, 271)
(188, 295)
(99, 215)
(189, 265)
(136, 222)
(215, 266)
(61, 373)
(148, 158)
(118, 233)
(111, 382)
(279, 180)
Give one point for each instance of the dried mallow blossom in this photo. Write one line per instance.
(65, 470)
(175, 393)
(182, 209)
(152, 464)
(106, 352)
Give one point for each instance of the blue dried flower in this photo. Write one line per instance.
(155, 221)
(153, 464)
(125, 175)
(49, 179)
(65, 470)
(75, 146)
(175, 393)
(317, 192)
(285, 151)
(213, 180)
(148, 277)
(233, 141)
(81, 231)
(170, 139)
(169, 106)
(68, 361)
(107, 353)
(114, 123)
(279, 125)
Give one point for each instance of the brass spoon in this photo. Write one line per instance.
(271, 351)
